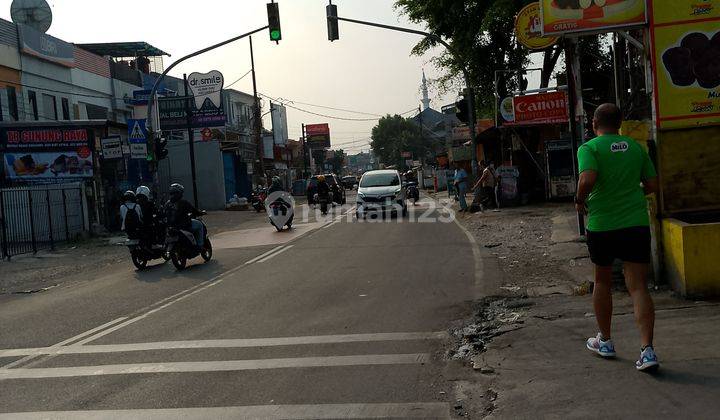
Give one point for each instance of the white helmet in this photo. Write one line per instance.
(143, 190)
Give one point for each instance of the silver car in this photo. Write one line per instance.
(381, 191)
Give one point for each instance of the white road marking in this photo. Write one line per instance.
(264, 255)
(226, 343)
(307, 411)
(214, 366)
(331, 224)
(280, 251)
(64, 342)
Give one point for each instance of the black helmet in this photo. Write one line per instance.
(129, 196)
(176, 192)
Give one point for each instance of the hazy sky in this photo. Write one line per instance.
(368, 69)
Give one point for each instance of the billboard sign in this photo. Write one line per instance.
(528, 29)
(47, 152)
(206, 89)
(279, 123)
(46, 47)
(560, 17)
(543, 108)
(686, 46)
(173, 113)
(317, 135)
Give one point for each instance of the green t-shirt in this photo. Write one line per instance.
(617, 201)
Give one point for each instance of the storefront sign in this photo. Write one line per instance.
(46, 47)
(528, 28)
(561, 17)
(317, 135)
(507, 109)
(47, 152)
(543, 108)
(686, 44)
(112, 148)
(206, 89)
(173, 113)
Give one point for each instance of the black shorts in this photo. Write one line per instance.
(628, 245)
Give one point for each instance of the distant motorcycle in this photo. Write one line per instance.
(258, 199)
(413, 192)
(181, 246)
(281, 214)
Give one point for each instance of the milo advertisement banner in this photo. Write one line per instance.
(46, 152)
(686, 44)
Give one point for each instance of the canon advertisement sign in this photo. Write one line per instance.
(543, 108)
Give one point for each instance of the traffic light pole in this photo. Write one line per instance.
(466, 73)
(191, 142)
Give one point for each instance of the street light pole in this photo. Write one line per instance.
(451, 50)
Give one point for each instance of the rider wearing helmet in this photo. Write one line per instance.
(144, 199)
(182, 214)
(130, 206)
(276, 185)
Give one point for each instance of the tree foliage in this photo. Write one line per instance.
(482, 32)
(393, 135)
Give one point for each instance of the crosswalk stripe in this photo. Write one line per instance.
(214, 366)
(307, 411)
(225, 343)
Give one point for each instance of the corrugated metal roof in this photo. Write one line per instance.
(8, 33)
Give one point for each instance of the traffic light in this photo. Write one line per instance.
(332, 22)
(462, 110)
(273, 11)
(161, 151)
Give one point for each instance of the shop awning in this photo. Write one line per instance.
(124, 49)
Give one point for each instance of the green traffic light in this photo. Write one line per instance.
(275, 35)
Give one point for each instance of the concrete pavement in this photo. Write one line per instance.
(344, 320)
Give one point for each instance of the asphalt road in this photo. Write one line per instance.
(339, 318)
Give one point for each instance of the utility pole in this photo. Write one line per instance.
(575, 104)
(257, 127)
(191, 141)
(303, 140)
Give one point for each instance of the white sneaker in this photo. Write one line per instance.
(648, 360)
(603, 348)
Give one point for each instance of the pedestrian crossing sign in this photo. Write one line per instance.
(137, 131)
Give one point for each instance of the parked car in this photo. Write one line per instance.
(338, 192)
(349, 182)
(381, 191)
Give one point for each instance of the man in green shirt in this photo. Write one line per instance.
(615, 175)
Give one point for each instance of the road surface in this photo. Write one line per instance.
(338, 318)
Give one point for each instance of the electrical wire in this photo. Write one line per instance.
(330, 107)
(241, 77)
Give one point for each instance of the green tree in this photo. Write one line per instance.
(393, 135)
(482, 32)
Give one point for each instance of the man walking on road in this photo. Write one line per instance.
(615, 175)
(461, 185)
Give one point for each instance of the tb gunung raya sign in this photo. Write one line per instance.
(47, 152)
(686, 61)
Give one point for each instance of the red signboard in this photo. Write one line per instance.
(543, 108)
(317, 135)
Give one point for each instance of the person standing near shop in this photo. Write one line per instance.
(461, 184)
(615, 175)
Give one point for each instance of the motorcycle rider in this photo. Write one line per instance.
(182, 214)
(276, 185)
(150, 213)
(130, 213)
(323, 191)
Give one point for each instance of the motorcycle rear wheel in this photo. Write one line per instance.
(180, 262)
(139, 262)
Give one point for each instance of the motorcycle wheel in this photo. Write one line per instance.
(139, 262)
(279, 229)
(178, 261)
(207, 251)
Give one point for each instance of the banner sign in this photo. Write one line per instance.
(543, 108)
(206, 89)
(561, 17)
(528, 28)
(317, 135)
(173, 114)
(46, 152)
(46, 47)
(111, 148)
(686, 60)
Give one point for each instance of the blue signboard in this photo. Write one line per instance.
(137, 131)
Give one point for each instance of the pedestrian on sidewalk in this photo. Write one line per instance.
(615, 175)
(461, 185)
(488, 181)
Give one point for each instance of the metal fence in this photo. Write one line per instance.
(39, 217)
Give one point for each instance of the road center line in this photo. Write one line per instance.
(433, 410)
(215, 366)
(261, 256)
(225, 343)
(280, 251)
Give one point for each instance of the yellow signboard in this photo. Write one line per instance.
(687, 66)
(570, 16)
(684, 10)
(528, 28)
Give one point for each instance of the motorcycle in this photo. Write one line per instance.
(181, 246)
(258, 199)
(145, 250)
(413, 192)
(281, 214)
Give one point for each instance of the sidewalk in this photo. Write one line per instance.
(527, 343)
